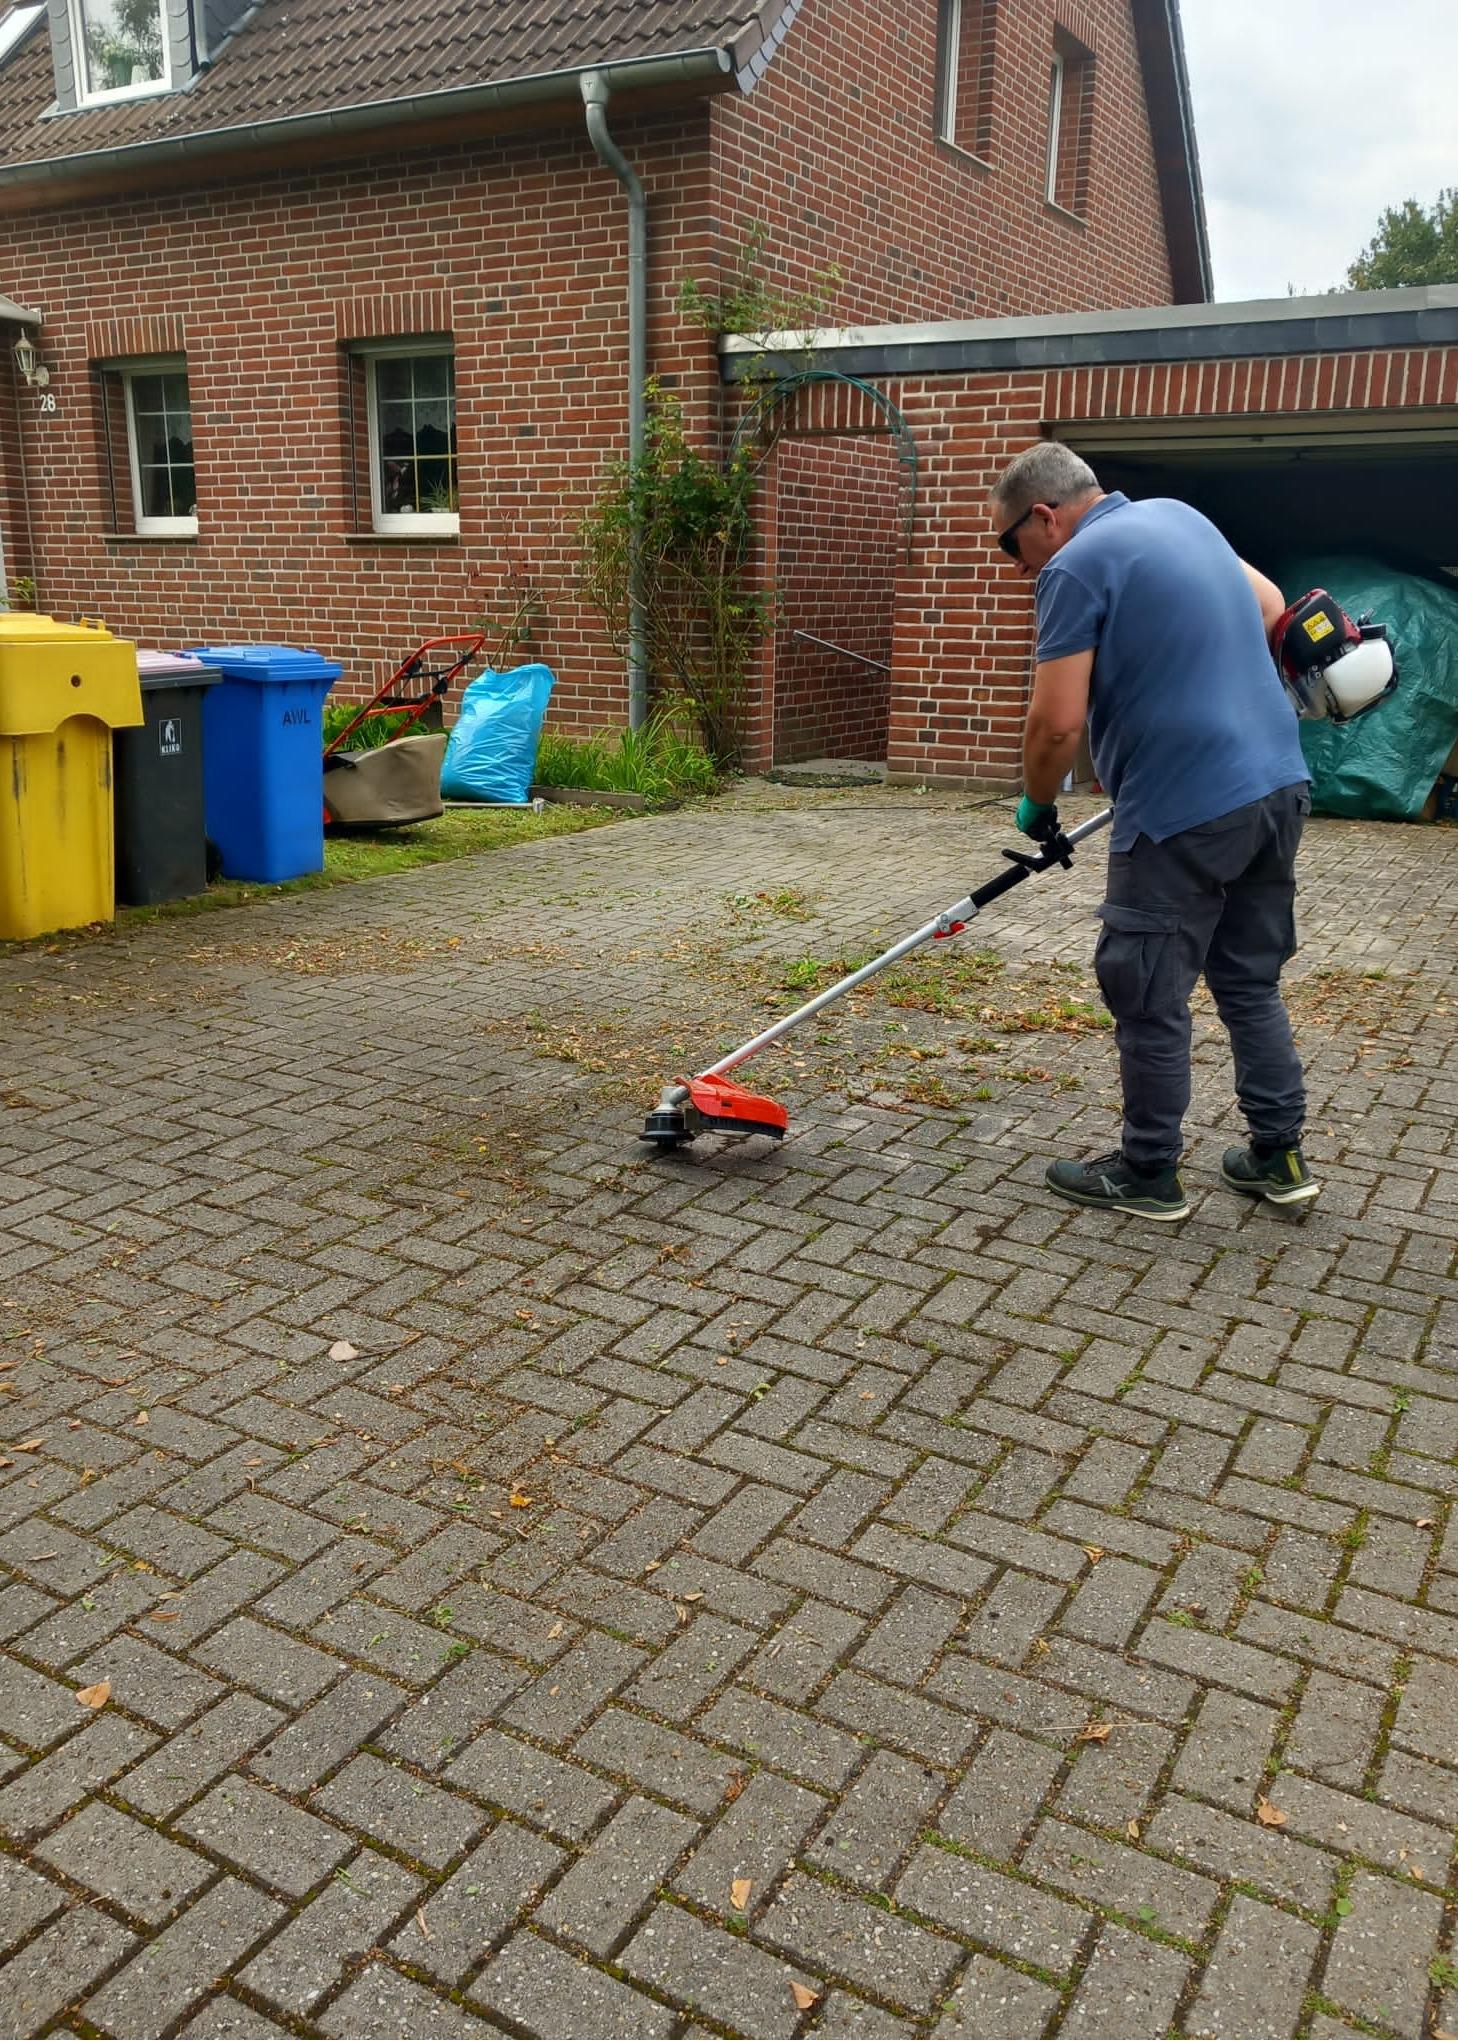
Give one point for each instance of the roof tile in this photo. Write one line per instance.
(294, 57)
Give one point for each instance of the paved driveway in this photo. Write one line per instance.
(533, 1586)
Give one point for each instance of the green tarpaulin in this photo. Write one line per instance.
(1385, 762)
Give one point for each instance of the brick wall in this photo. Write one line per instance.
(922, 230)
(517, 247)
(840, 539)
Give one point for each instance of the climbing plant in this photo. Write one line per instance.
(686, 519)
(690, 521)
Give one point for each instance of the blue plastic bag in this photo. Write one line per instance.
(492, 751)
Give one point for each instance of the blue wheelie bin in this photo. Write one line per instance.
(263, 759)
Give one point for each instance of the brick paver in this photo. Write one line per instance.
(551, 1586)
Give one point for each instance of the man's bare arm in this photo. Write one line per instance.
(1270, 598)
(1056, 716)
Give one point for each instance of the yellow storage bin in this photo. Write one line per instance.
(63, 689)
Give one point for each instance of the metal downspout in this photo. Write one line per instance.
(596, 92)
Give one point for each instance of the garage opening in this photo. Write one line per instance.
(1278, 487)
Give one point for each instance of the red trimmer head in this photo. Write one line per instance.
(712, 1105)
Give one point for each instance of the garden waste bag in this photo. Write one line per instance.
(493, 747)
(1384, 763)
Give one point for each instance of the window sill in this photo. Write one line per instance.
(158, 89)
(402, 538)
(967, 156)
(150, 538)
(1062, 213)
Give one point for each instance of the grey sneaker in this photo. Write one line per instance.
(1110, 1182)
(1279, 1175)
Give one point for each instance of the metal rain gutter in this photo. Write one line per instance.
(689, 67)
(596, 91)
(18, 315)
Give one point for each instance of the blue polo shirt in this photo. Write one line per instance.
(1188, 718)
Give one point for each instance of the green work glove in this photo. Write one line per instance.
(1037, 819)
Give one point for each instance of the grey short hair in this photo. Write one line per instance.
(1049, 472)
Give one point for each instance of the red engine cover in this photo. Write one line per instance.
(728, 1106)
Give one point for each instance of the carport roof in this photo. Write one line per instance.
(1423, 316)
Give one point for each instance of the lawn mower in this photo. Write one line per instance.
(712, 1103)
(398, 781)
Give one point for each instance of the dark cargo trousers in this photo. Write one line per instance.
(1220, 900)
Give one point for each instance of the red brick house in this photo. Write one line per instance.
(328, 300)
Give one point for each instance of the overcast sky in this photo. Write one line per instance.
(1311, 116)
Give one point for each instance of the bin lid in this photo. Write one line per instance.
(30, 627)
(265, 663)
(173, 669)
(51, 671)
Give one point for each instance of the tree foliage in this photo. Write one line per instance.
(1412, 245)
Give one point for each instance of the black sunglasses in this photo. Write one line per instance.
(1006, 539)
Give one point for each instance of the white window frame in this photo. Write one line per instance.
(951, 67)
(153, 527)
(17, 25)
(1055, 122)
(403, 523)
(85, 95)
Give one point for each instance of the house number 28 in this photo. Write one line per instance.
(47, 400)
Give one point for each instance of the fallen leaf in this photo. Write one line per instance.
(696, 1596)
(1093, 1554)
(653, 1566)
(94, 1697)
(1094, 1732)
(423, 1924)
(803, 1996)
(518, 1500)
(555, 1631)
(256, 1461)
(396, 1389)
(1131, 1829)
(4, 1462)
(681, 1612)
(739, 1893)
(343, 1351)
(1426, 1523)
(141, 1418)
(1269, 1816)
(28, 1446)
(163, 1615)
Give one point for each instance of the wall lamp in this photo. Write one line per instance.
(29, 363)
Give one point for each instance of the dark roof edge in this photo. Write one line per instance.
(690, 68)
(1161, 46)
(1423, 316)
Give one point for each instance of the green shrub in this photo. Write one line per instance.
(658, 761)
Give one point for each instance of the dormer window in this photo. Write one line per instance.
(120, 48)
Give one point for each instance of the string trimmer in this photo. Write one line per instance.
(711, 1104)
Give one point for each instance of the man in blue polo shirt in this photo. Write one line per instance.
(1153, 632)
